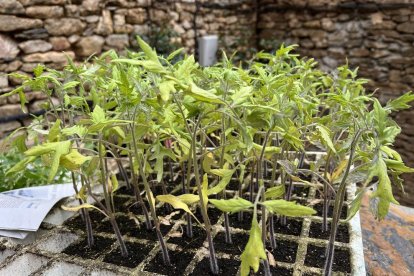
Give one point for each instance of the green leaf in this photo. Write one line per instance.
(21, 165)
(384, 189)
(401, 102)
(70, 84)
(232, 205)
(77, 129)
(115, 183)
(189, 198)
(176, 203)
(150, 53)
(73, 160)
(203, 95)
(54, 131)
(23, 100)
(268, 149)
(38, 70)
(254, 250)
(98, 115)
(225, 175)
(166, 88)
(208, 161)
(20, 142)
(326, 137)
(174, 54)
(391, 153)
(398, 166)
(275, 192)
(287, 208)
(355, 204)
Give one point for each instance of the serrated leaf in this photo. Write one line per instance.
(275, 192)
(176, 203)
(149, 52)
(189, 198)
(98, 115)
(398, 166)
(355, 204)
(70, 84)
(202, 95)
(326, 137)
(225, 175)
(73, 160)
(287, 208)
(78, 130)
(254, 250)
(166, 88)
(54, 131)
(401, 102)
(384, 189)
(232, 205)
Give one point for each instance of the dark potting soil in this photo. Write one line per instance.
(77, 223)
(125, 191)
(164, 211)
(125, 225)
(285, 251)
(233, 185)
(82, 250)
(319, 208)
(315, 231)
(292, 227)
(227, 267)
(136, 254)
(239, 241)
(143, 233)
(275, 270)
(300, 191)
(213, 213)
(120, 204)
(245, 224)
(179, 262)
(319, 194)
(199, 236)
(315, 256)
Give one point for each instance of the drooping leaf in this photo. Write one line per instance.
(287, 208)
(225, 175)
(73, 160)
(254, 250)
(232, 205)
(202, 95)
(176, 203)
(54, 131)
(355, 204)
(189, 198)
(21, 165)
(82, 206)
(150, 53)
(166, 88)
(401, 102)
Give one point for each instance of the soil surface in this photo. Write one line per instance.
(136, 254)
(285, 251)
(179, 262)
(77, 223)
(277, 271)
(227, 267)
(342, 234)
(315, 256)
(199, 236)
(292, 227)
(213, 213)
(245, 224)
(319, 209)
(82, 250)
(143, 233)
(239, 241)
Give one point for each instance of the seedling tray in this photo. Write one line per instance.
(60, 248)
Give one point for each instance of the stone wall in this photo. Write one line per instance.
(376, 36)
(47, 31)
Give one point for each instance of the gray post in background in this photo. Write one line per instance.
(207, 49)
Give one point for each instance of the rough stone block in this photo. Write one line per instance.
(45, 11)
(9, 23)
